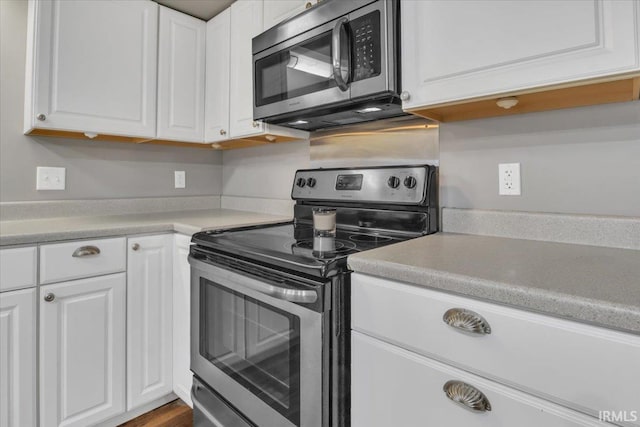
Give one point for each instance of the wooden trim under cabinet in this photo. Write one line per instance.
(591, 93)
(230, 144)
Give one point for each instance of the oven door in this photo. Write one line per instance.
(257, 347)
(349, 57)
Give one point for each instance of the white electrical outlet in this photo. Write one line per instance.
(509, 177)
(50, 178)
(180, 179)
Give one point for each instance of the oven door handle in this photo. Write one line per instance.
(275, 291)
(337, 60)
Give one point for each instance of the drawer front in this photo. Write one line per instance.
(81, 258)
(580, 366)
(18, 267)
(394, 387)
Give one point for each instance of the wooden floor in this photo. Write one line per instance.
(173, 414)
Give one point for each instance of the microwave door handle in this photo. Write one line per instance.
(335, 41)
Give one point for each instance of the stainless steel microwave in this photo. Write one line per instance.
(334, 64)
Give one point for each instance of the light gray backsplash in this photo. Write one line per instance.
(265, 171)
(95, 170)
(582, 160)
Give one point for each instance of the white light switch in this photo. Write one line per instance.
(180, 179)
(50, 178)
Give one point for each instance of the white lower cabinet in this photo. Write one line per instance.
(182, 377)
(149, 319)
(395, 387)
(18, 358)
(82, 351)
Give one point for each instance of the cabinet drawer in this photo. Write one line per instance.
(393, 387)
(18, 268)
(580, 366)
(81, 258)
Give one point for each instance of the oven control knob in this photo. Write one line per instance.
(311, 182)
(300, 182)
(393, 182)
(410, 182)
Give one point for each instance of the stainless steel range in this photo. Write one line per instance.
(270, 304)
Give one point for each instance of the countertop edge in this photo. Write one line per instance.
(570, 307)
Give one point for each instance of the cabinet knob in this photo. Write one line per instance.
(467, 395)
(255, 124)
(223, 132)
(48, 297)
(405, 96)
(41, 117)
(135, 246)
(467, 321)
(308, 5)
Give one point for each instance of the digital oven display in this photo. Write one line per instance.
(349, 182)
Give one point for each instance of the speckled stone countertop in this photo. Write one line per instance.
(81, 227)
(590, 284)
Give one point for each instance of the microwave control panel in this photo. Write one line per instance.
(366, 39)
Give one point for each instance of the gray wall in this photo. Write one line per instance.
(581, 160)
(94, 169)
(265, 171)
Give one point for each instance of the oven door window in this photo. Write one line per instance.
(254, 343)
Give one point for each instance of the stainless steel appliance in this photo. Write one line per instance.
(270, 305)
(334, 64)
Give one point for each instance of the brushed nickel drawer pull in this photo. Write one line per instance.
(48, 297)
(466, 320)
(467, 395)
(84, 251)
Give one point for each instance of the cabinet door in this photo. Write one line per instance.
(395, 387)
(149, 309)
(455, 50)
(82, 351)
(182, 377)
(91, 66)
(17, 358)
(276, 11)
(246, 23)
(181, 53)
(217, 87)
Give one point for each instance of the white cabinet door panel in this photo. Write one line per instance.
(149, 320)
(217, 87)
(182, 378)
(92, 66)
(181, 62)
(18, 358)
(394, 387)
(82, 351)
(246, 23)
(454, 50)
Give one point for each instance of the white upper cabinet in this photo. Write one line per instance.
(217, 88)
(91, 67)
(149, 320)
(456, 50)
(246, 23)
(276, 11)
(181, 74)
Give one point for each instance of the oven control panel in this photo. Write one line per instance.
(402, 185)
